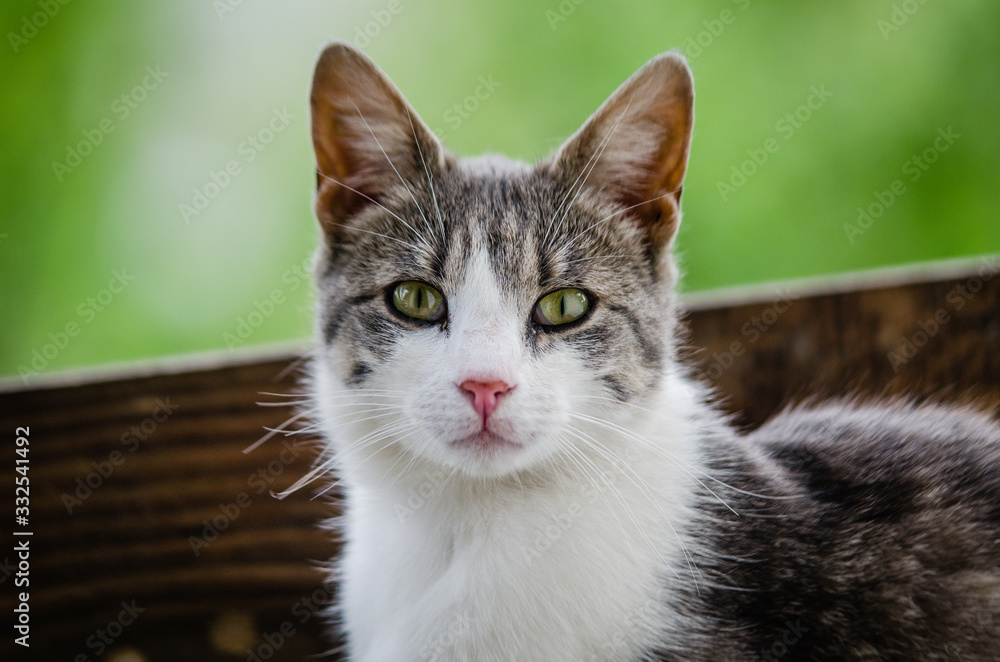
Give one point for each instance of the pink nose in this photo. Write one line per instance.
(485, 395)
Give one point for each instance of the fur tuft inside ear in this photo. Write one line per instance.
(635, 146)
(368, 140)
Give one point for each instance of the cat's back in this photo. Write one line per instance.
(884, 543)
(889, 462)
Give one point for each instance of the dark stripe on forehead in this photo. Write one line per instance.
(543, 260)
(506, 244)
(503, 218)
(456, 251)
(439, 257)
(432, 242)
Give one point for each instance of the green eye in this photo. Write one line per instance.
(561, 307)
(419, 300)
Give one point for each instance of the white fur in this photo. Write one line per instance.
(554, 551)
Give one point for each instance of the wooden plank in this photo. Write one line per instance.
(930, 339)
(128, 474)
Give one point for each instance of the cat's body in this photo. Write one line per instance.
(528, 473)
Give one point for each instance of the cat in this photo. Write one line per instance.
(528, 471)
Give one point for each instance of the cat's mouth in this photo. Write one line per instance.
(486, 442)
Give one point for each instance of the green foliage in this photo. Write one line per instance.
(102, 262)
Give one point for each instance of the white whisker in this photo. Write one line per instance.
(665, 454)
(393, 166)
(562, 249)
(379, 234)
(671, 456)
(281, 395)
(628, 472)
(290, 403)
(366, 197)
(585, 173)
(427, 173)
(273, 432)
(604, 257)
(324, 467)
(621, 498)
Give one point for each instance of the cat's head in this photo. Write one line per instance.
(480, 314)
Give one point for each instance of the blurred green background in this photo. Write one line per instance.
(117, 114)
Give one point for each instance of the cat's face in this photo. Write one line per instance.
(482, 314)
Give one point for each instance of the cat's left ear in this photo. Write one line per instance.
(635, 147)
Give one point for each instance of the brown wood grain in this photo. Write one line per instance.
(129, 539)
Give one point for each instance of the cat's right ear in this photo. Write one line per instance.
(368, 140)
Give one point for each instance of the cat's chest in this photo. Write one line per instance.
(528, 581)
